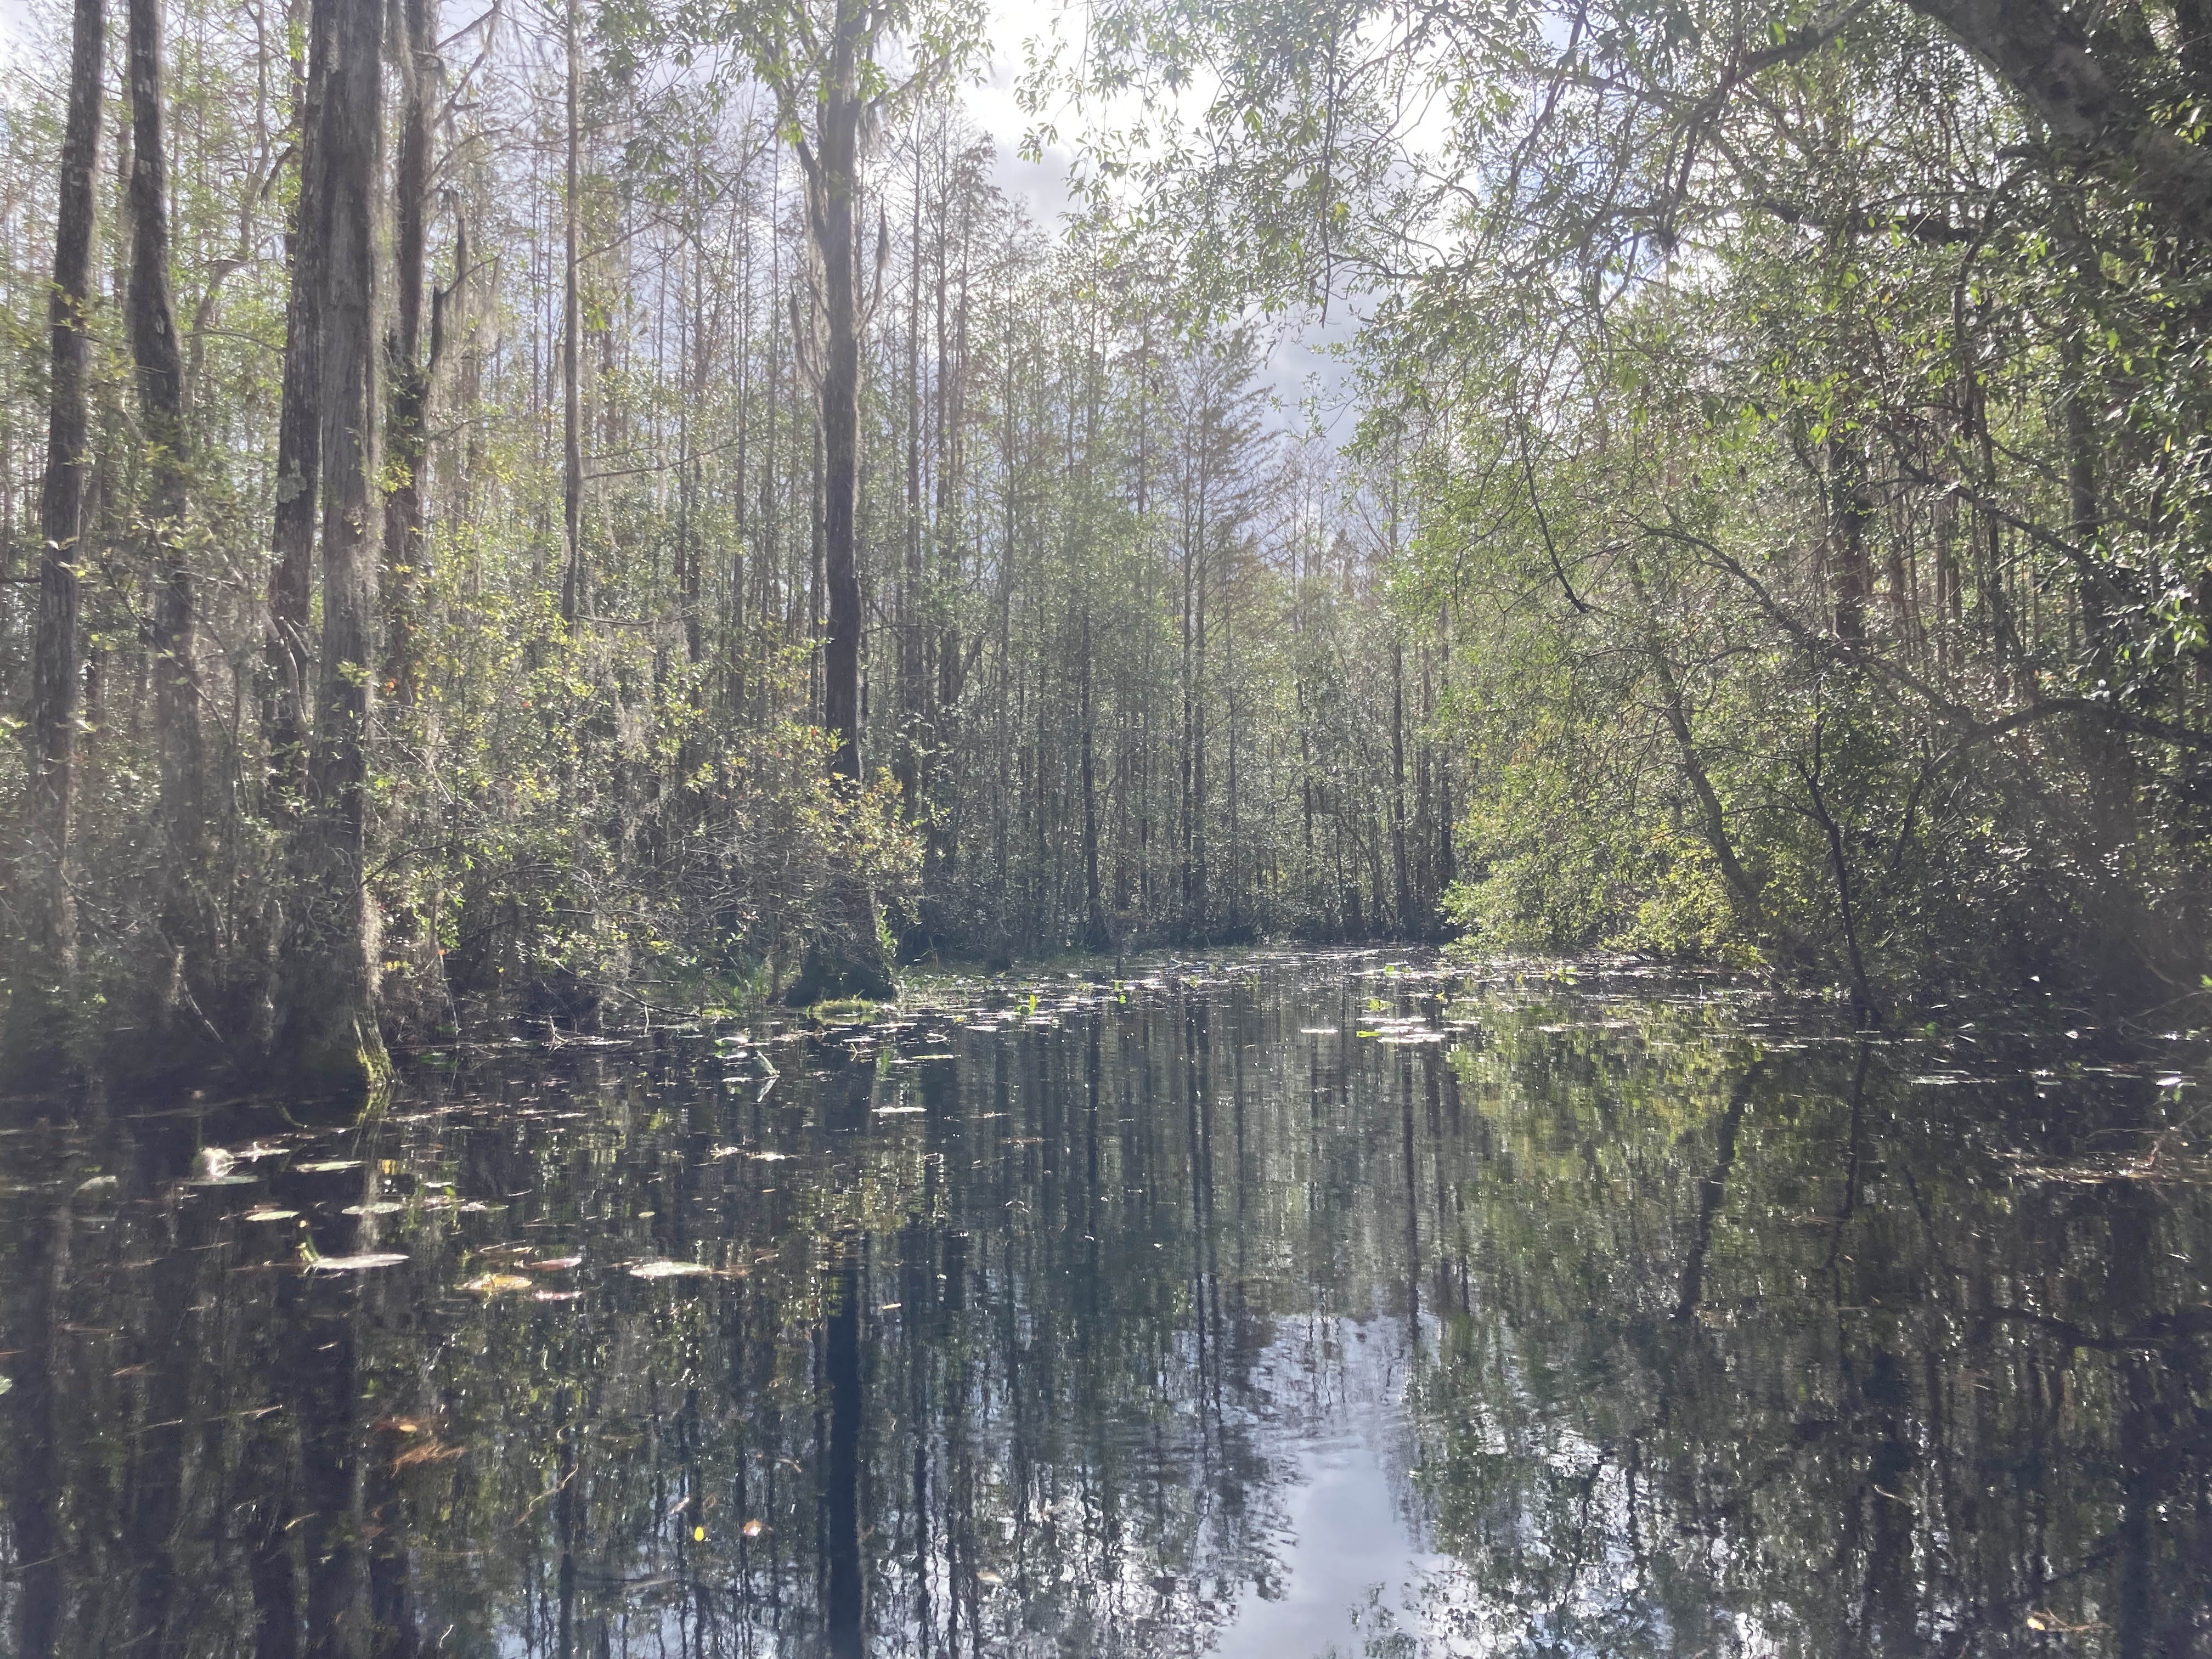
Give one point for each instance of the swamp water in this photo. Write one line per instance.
(1294, 1306)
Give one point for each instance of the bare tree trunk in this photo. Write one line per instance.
(1097, 934)
(169, 445)
(47, 968)
(853, 964)
(1401, 866)
(405, 438)
(572, 350)
(330, 1037)
(832, 167)
(912, 719)
(289, 653)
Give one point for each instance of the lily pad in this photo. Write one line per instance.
(354, 1264)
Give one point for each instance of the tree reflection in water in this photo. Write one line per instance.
(1300, 1306)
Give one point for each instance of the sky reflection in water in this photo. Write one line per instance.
(1291, 1306)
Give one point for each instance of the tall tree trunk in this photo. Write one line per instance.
(912, 720)
(832, 167)
(944, 843)
(168, 445)
(850, 960)
(572, 350)
(1097, 934)
(1401, 866)
(330, 1038)
(47, 968)
(289, 651)
(406, 435)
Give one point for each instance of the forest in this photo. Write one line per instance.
(582, 513)
(753, 901)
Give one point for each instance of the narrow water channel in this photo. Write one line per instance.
(1280, 1307)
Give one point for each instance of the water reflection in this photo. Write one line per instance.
(1297, 1307)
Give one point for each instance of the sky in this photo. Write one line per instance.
(1297, 367)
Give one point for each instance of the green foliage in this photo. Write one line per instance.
(1811, 457)
(1125, 660)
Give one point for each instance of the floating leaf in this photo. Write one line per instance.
(271, 1215)
(382, 1207)
(554, 1264)
(350, 1264)
(329, 1165)
(669, 1269)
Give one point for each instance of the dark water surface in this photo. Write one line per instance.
(1289, 1307)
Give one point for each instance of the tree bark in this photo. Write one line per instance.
(168, 446)
(1097, 935)
(289, 653)
(403, 547)
(848, 959)
(2043, 53)
(832, 167)
(1403, 865)
(912, 717)
(572, 350)
(331, 1039)
(48, 966)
